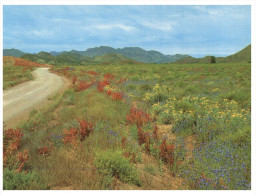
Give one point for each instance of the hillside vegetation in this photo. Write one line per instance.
(16, 71)
(242, 56)
(13, 52)
(170, 126)
(70, 58)
(106, 55)
(84, 57)
(134, 53)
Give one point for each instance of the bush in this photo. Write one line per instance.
(69, 97)
(130, 87)
(213, 60)
(159, 94)
(241, 137)
(21, 181)
(145, 87)
(238, 96)
(115, 164)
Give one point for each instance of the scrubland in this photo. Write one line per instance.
(147, 126)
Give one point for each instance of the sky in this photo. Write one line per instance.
(194, 30)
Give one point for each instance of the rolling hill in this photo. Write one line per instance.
(241, 56)
(131, 55)
(134, 53)
(13, 52)
(74, 58)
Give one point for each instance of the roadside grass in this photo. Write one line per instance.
(206, 107)
(14, 75)
(17, 70)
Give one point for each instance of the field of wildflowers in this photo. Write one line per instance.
(151, 126)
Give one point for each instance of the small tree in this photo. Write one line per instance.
(213, 59)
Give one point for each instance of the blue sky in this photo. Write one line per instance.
(194, 30)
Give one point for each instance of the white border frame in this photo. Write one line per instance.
(145, 2)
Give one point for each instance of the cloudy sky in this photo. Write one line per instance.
(194, 30)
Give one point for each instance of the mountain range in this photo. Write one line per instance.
(129, 55)
(133, 53)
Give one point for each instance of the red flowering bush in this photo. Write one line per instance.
(155, 133)
(82, 85)
(45, 151)
(22, 158)
(144, 138)
(108, 76)
(121, 80)
(130, 156)
(70, 136)
(102, 84)
(138, 117)
(74, 79)
(141, 136)
(123, 142)
(117, 95)
(22, 62)
(85, 129)
(93, 73)
(11, 142)
(167, 152)
(109, 92)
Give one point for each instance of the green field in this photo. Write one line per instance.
(138, 126)
(13, 75)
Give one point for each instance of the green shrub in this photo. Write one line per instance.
(114, 163)
(69, 97)
(134, 132)
(240, 137)
(130, 87)
(33, 113)
(145, 87)
(150, 169)
(21, 181)
(238, 96)
(191, 89)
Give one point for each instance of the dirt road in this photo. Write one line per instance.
(23, 97)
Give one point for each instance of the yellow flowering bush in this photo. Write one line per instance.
(205, 117)
(159, 94)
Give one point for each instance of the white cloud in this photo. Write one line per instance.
(114, 26)
(63, 20)
(159, 25)
(208, 10)
(174, 15)
(42, 33)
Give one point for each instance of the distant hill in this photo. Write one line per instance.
(13, 52)
(113, 58)
(109, 58)
(131, 55)
(191, 60)
(74, 58)
(134, 53)
(242, 56)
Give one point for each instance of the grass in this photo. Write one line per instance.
(14, 75)
(202, 110)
